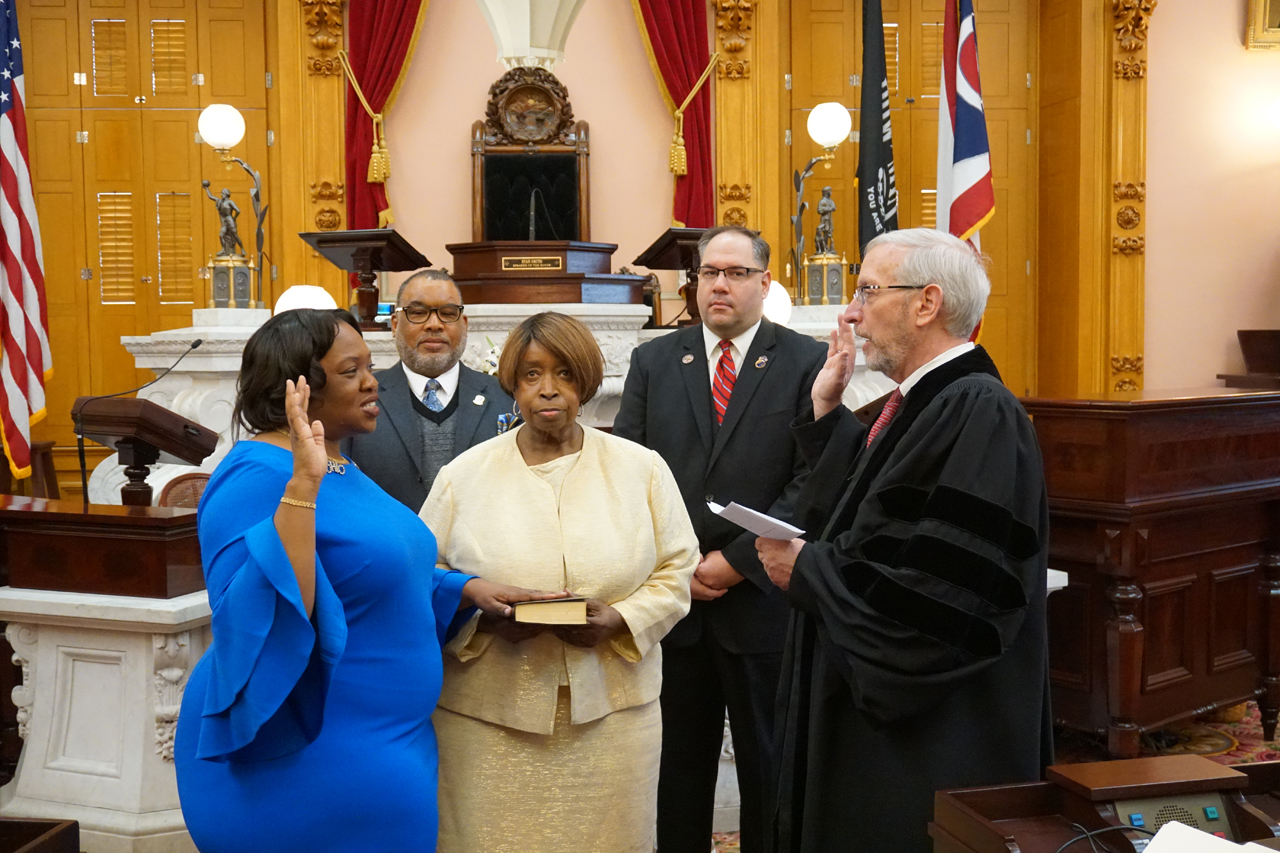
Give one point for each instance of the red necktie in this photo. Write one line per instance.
(722, 385)
(886, 415)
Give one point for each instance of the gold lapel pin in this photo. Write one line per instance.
(478, 401)
(688, 359)
(762, 361)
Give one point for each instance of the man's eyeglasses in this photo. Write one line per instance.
(861, 291)
(419, 314)
(708, 275)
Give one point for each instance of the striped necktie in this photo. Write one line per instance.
(432, 399)
(722, 384)
(886, 415)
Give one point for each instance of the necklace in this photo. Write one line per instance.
(335, 466)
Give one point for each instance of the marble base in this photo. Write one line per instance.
(102, 682)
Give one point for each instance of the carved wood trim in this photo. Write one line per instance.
(1129, 245)
(1132, 21)
(735, 192)
(734, 23)
(1126, 364)
(323, 20)
(529, 106)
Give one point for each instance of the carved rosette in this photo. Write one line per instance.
(170, 665)
(1126, 385)
(735, 216)
(1128, 245)
(734, 192)
(22, 639)
(328, 219)
(529, 106)
(733, 23)
(1128, 217)
(1132, 22)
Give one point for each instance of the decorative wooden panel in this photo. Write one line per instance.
(232, 53)
(115, 237)
(176, 282)
(110, 54)
(175, 234)
(51, 40)
(168, 33)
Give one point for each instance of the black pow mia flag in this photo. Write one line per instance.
(877, 188)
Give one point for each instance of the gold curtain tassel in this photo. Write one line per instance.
(386, 218)
(679, 159)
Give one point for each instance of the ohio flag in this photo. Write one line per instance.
(966, 199)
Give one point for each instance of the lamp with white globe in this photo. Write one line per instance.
(820, 279)
(222, 127)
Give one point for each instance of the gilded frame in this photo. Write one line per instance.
(1263, 32)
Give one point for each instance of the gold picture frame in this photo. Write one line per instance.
(1263, 31)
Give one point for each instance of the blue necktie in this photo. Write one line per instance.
(432, 399)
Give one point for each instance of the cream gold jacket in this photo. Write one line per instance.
(621, 535)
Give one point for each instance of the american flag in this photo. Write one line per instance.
(966, 199)
(25, 362)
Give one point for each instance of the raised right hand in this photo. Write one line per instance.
(828, 387)
(310, 460)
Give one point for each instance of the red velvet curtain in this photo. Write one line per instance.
(677, 41)
(380, 37)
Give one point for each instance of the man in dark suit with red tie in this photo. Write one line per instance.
(716, 401)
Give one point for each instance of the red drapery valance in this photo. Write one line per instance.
(381, 35)
(675, 35)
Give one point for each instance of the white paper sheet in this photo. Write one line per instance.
(757, 522)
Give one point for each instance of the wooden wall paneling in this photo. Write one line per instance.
(310, 193)
(51, 32)
(1127, 145)
(57, 178)
(114, 225)
(175, 234)
(170, 61)
(109, 54)
(739, 148)
(232, 53)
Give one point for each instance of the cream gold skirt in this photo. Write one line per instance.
(581, 788)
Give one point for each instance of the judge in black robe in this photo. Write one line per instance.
(916, 657)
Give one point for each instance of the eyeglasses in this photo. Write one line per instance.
(861, 291)
(419, 314)
(708, 275)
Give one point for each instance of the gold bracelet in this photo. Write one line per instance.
(294, 502)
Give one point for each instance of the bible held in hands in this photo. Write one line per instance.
(553, 611)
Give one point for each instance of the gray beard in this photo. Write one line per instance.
(430, 364)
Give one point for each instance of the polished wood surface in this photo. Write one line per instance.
(1041, 817)
(151, 552)
(583, 275)
(1145, 777)
(1164, 513)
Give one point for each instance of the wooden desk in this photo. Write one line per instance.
(150, 552)
(1164, 513)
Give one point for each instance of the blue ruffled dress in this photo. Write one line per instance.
(313, 735)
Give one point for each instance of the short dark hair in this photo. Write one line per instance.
(287, 346)
(565, 338)
(429, 275)
(759, 246)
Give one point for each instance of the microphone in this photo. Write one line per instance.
(531, 214)
(84, 470)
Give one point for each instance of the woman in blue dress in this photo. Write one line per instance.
(306, 725)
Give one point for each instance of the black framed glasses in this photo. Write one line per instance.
(860, 292)
(707, 275)
(419, 314)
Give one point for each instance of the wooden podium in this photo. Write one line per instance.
(1164, 511)
(542, 271)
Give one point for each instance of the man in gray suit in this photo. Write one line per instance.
(433, 406)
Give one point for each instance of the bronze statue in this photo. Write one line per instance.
(824, 237)
(228, 212)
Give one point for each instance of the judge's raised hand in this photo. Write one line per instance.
(778, 556)
(828, 387)
(306, 438)
(603, 623)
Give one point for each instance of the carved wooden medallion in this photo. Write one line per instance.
(528, 106)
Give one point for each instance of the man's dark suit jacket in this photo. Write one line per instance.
(392, 454)
(751, 458)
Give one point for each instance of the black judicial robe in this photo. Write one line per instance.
(916, 656)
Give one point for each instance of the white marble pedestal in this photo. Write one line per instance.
(102, 680)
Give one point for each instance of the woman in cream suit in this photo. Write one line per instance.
(549, 735)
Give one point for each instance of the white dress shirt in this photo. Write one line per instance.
(936, 362)
(737, 348)
(448, 383)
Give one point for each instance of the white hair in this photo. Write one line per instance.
(935, 257)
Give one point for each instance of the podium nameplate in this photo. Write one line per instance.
(509, 264)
